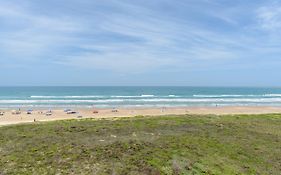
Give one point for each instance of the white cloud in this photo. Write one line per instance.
(149, 38)
(29, 36)
(270, 17)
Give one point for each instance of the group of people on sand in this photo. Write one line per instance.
(29, 111)
(50, 112)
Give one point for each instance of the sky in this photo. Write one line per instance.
(140, 42)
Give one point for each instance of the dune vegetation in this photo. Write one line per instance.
(186, 144)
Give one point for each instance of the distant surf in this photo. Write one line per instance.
(109, 97)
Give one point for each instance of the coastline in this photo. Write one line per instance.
(8, 118)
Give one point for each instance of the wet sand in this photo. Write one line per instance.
(8, 118)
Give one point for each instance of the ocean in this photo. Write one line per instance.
(109, 97)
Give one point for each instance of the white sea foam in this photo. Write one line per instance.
(225, 95)
(141, 96)
(237, 95)
(147, 95)
(84, 96)
(150, 96)
(57, 101)
(132, 96)
(93, 96)
(124, 96)
(228, 100)
(272, 95)
(155, 100)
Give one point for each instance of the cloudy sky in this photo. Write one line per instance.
(140, 42)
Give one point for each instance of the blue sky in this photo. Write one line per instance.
(140, 42)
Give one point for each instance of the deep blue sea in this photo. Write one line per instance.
(108, 97)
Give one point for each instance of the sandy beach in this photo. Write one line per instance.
(40, 115)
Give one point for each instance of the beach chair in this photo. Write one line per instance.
(48, 113)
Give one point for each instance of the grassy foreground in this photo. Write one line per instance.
(187, 144)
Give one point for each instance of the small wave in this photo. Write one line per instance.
(156, 100)
(123, 96)
(272, 95)
(214, 100)
(131, 96)
(91, 96)
(84, 96)
(140, 96)
(57, 101)
(147, 95)
(225, 95)
(237, 95)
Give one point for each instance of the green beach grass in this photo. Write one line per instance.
(186, 144)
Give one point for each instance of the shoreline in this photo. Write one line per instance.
(58, 114)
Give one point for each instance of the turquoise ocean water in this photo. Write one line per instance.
(108, 97)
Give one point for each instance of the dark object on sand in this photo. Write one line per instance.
(114, 110)
(49, 113)
(29, 111)
(71, 112)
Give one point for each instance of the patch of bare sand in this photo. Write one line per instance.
(9, 118)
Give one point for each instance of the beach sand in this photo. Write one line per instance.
(8, 118)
